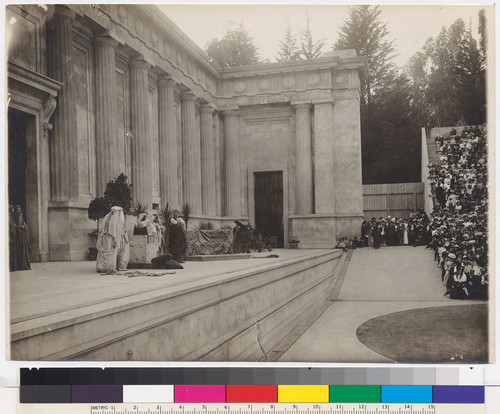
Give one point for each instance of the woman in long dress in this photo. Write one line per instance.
(22, 246)
(405, 233)
(113, 250)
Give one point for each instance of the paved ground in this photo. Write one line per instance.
(52, 287)
(378, 282)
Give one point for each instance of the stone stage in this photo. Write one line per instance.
(238, 310)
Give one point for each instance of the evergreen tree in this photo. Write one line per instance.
(236, 48)
(309, 48)
(288, 47)
(449, 76)
(364, 32)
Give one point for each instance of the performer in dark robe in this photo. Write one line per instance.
(12, 238)
(177, 241)
(22, 242)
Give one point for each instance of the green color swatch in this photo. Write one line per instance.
(355, 393)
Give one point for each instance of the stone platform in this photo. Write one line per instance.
(235, 310)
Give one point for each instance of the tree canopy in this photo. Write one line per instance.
(236, 48)
(288, 48)
(364, 32)
(448, 76)
(300, 46)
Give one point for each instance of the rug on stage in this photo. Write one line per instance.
(438, 334)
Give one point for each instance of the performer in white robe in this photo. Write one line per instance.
(113, 250)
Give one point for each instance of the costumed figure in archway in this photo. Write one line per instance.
(21, 246)
(113, 249)
(12, 239)
(177, 242)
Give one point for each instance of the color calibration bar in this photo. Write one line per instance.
(180, 394)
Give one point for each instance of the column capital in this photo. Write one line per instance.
(207, 108)
(323, 101)
(231, 110)
(139, 63)
(64, 11)
(105, 39)
(188, 96)
(297, 105)
(167, 81)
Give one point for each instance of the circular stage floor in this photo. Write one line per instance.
(424, 334)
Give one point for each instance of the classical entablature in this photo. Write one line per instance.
(292, 81)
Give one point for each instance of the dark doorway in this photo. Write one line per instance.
(269, 205)
(18, 158)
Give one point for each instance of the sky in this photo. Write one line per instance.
(409, 25)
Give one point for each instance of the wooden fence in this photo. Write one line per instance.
(397, 200)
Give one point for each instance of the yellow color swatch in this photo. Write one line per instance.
(303, 393)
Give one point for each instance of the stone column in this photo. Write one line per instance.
(347, 153)
(232, 164)
(64, 159)
(207, 160)
(169, 181)
(142, 144)
(323, 161)
(303, 159)
(191, 157)
(106, 129)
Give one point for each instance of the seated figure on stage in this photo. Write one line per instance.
(113, 249)
(18, 240)
(177, 241)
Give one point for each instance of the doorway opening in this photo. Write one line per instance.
(269, 219)
(18, 158)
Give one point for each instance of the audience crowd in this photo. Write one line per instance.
(457, 228)
(459, 219)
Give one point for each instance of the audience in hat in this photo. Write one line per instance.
(459, 219)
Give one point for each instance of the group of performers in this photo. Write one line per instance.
(113, 248)
(19, 247)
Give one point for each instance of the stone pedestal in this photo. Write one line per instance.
(232, 164)
(143, 248)
(169, 180)
(107, 164)
(142, 143)
(191, 157)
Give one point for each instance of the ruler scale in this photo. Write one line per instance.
(254, 408)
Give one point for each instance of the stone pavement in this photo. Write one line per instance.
(378, 282)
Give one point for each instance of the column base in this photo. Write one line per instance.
(320, 231)
(69, 231)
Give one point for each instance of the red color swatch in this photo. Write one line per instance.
(251, 393)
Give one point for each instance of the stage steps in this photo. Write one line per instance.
(237, 316)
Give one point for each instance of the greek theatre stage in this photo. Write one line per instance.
(238, 310)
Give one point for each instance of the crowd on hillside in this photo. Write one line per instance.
(459, 219)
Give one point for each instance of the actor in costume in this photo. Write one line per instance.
(113, 249)
(22, 247)
(177, 242)
(12, 239)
